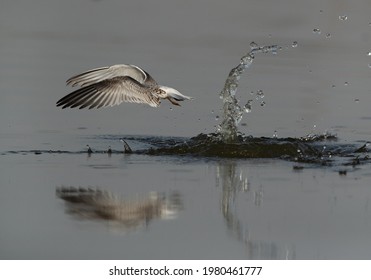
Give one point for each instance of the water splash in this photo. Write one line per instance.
(248, 106)
(232, 111)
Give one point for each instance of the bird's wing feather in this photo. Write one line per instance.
(121, 70)
(110, 92)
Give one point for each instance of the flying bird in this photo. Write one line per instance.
(112, 85)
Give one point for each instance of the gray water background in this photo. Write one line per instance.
(273, 212)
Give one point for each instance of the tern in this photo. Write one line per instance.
(112, 85)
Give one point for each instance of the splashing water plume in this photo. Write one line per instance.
(228, 142)
(232, 111)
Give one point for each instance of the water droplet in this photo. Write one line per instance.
(333, 86)
(294, 44)
(275, 134)
(356, 100)
(253, 45)
(216, 118)
(369, 53)
(262, 103)
(346, 84)
(212, 111)
(248, 106)
(317, 31)
(328, 35)
(260, 93)
(171, 109)
(343, 17)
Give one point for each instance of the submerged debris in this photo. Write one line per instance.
(342, 172)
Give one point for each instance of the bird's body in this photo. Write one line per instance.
(110, 86)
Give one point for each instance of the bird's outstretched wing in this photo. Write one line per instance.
(109, 92)
(121, 70)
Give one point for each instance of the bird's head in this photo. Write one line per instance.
(173, 93)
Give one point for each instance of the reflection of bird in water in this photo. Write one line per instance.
(110, 86)
(101, 205)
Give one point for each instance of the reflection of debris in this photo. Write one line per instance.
(356, 161)
(258, 196)
(95, 204)
(298, 167)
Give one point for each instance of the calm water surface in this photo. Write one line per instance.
(206, 208)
